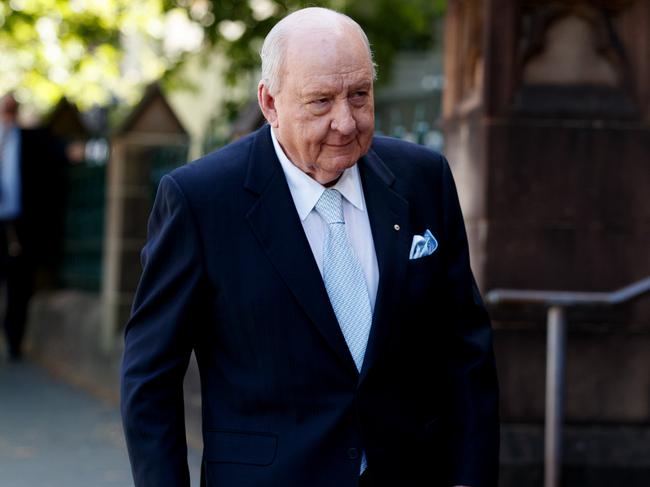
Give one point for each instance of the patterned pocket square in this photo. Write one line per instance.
(423, 245)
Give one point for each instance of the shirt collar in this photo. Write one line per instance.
(307, 191)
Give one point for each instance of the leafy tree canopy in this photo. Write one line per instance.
(95, 51)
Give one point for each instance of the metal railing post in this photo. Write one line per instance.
(555, 375)
(558, 301)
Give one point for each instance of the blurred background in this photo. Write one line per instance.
(541, 106)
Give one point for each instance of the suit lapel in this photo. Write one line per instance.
(386, 209)
(275, 222)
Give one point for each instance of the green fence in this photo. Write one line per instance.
(164, 160)
(83, 233)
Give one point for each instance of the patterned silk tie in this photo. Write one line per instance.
(344, 278)
(345, 282)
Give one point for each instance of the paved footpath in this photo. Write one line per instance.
(53, 435)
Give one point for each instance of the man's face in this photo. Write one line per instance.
(325, 107)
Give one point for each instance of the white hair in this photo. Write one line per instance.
(274, 47)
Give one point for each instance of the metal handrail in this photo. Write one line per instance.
(558, 301)
(569, 298)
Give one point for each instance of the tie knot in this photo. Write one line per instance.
(330, 206)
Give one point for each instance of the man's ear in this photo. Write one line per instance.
(267, 104)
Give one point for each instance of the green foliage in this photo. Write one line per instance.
(50, 48)
(96, 51)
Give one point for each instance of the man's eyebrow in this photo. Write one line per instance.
(315, 93)
(365, 85)
(324, 92)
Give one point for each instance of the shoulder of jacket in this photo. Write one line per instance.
(403, 155)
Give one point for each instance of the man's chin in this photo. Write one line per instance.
(340, 163)
(332, 174)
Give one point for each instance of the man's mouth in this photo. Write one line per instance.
(346, 144)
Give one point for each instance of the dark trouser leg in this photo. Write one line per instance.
(20, 286)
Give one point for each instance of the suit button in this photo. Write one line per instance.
(353, 453)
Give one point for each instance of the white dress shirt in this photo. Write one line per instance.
(10, 186)
(306, 191)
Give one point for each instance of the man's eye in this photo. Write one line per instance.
(320, 101)
(319, 105)
(359, 96)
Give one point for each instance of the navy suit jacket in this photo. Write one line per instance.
(229, 273)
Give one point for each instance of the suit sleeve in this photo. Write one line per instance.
(158, 343)
(474, 407)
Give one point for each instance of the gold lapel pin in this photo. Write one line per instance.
(396, 227)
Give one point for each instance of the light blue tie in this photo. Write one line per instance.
(345, 282)
(344, 278)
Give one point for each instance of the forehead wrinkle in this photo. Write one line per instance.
(357, 76)
(317, 63)
(333, 83)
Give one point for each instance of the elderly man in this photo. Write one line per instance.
(322, 278)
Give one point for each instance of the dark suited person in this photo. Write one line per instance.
(30, 204)
(322, 278)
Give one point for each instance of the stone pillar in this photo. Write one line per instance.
(151, 129)
(547, 120)
(463, 124)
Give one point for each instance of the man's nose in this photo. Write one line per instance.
(343, 120)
